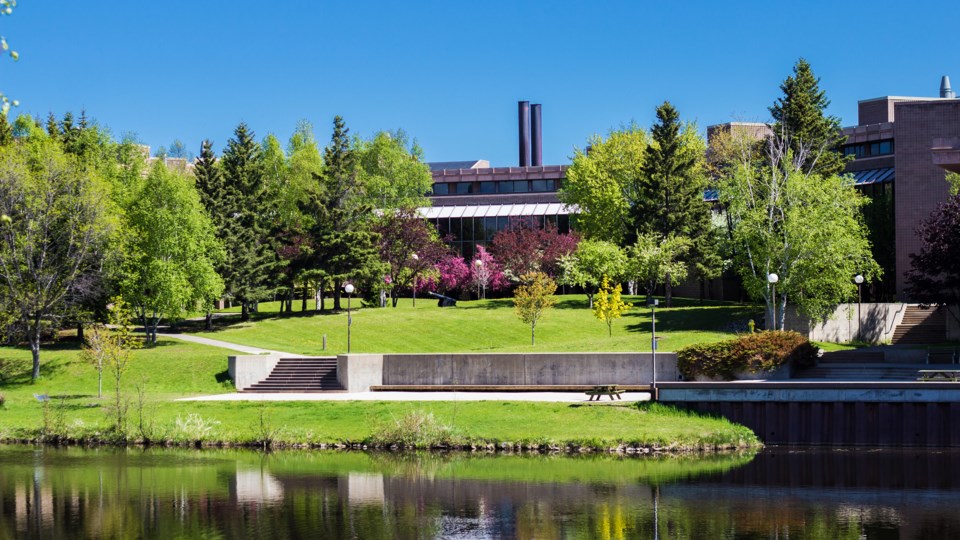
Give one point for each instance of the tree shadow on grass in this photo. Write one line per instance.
(713, 319)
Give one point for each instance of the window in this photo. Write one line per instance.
(441, 189)
(521, 186)
(464, 187)
(488, 187)
(538, 185)
(871, 149)
(504, 187)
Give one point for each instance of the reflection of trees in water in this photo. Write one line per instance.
(102, 493)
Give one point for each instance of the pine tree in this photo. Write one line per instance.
(52, 128)
(6, 131)
(800, 115)
(213, 197)
(251, 258)
(670, 202)
(346, 243)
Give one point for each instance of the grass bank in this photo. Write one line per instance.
(175, 369)
(485, 325)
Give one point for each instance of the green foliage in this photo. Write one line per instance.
(609, 305)
(416, 429)
(533, 298)
(109, 347)
(6, 9)
(760, 352)
(954, 180)
(392, 171)
(805, 228)
(654, 260)
(800, 115)
(604, 183)
(171, 252)
(593, 260)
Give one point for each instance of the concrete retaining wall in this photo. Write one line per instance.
(953, 323)
(875, 325)
(357, 372)
(250, 369)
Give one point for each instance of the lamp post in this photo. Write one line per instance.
(348, 288)
(415, 258)
(772, 279)
(653, 345)
(858, 279)
(480, 278)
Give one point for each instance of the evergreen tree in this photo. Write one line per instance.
(670, 202)
(213, 198)
(346, 243)
(251, 258)
(800, 116)
(6, 131)
(53, 130)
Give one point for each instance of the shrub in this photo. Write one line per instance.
(755, 353)
(418, 429)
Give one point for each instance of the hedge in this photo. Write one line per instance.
(755, 353)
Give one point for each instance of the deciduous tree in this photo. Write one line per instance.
(392, 171)
(934, 275)
(486, 273)
(525, 247)
(655, 261)
(533, 298)
(409, 246)
(609, 306)
(592, 260)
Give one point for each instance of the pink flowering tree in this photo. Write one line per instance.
(486, 273)
(452, 273)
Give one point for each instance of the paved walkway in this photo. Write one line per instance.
(225, 345)
(560, 397)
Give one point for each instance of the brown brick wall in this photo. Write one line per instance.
(920, 183)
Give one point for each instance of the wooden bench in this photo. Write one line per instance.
(939, 375)
(604, 390)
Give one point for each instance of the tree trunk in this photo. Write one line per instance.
(35, 351)
(589, 300)
(303, 298)
(322, 304)
(208, 321)
(244, 311)
(703, 290)
(393, 297)
(533, 334)
(336, 299)
(80, 331)
(668, 293)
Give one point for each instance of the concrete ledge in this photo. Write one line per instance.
(248, 370)
(892, 392)
(358, 372)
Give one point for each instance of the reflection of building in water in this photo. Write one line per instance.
(255, 486)
(362, 488)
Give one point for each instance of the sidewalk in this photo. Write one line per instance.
(557, 397)
(226, 345)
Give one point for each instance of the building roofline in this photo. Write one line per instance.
(901, 98)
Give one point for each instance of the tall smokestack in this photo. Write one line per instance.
(536, 136)
(945, 90)
(523, 113)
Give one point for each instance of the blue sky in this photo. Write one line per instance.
(450, 73)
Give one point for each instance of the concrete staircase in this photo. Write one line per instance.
(921, 326)
(300, 375)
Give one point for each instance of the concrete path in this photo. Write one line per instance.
(559, 397)
(225, 345)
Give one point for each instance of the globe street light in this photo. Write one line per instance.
(480, 279)
(348, 288)
(772, 279)
(415, 258)
(858, 279)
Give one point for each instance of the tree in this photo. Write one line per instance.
(604, 183)
(452, 272)
(392, 171)
(178, 150)
(214, 199)
(800, 114)
(592, 260)
(525, 247)
(486, 272)
(409, 246)
(341, 220)
(671, 196)
(532, 299)
(656, 261)
(171, 251)
(934, 275)
(108, 346)
(56, 222)
(609, 306)
(805, 228)
(251, 256)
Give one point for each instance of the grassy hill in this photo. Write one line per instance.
(485, 326)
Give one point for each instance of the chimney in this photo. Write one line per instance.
(523, 113)
(945, 90)
(536, 136)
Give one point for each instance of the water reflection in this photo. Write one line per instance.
(82, 493)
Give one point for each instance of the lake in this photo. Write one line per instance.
(179, 493)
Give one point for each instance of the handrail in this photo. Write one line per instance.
(903, 307)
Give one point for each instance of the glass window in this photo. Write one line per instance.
(441, 189)
(443, 227)
(467, 229)
(502, 223)
(886, 147)
(466, 251)
(538, 185)
(563, 224)
(521, 186)
(464, 187)
(478, 229)
(489, 228)
(455, 232)
(488, 187)
(504, 187)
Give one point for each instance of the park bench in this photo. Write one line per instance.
(444, 301)
(939, 375)
(604, 390)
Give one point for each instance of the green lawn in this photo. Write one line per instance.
(176, 369)
(486, 325)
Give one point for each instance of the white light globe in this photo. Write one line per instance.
(349, 288)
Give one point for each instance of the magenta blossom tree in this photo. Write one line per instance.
(486, 273)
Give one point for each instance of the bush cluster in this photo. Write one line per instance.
(755, 353)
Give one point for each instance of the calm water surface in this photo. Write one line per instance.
(133, 493)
